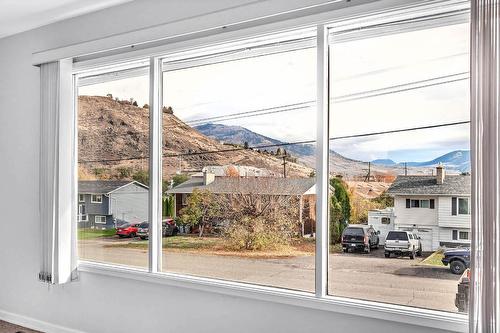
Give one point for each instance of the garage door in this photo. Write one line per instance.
(425, 238)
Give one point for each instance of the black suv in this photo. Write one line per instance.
(458, 259)
(359, 237)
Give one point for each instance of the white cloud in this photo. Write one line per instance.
(262, 82)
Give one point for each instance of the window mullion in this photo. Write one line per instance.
(322, 171)
(155, 167)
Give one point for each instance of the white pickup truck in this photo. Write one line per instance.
(402, 243)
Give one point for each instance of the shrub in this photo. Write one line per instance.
(141, 176)
(179, 179)
(257, 233)
(336, 223)
(168, 205)
(202, 208)
(124, 172)
(261, 222)
(340, 209)
(168, 110)
(99, 172)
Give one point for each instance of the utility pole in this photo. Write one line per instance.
(369, 174)
(180, 164)
(284, 165)
(406, 170)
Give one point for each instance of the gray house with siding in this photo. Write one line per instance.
(102, 202)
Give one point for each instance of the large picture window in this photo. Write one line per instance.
(239, 164)
(399, 126)
(243, 151)
(113, 149)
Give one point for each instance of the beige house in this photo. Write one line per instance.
(304, 189)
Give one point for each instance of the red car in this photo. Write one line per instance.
(127, 230)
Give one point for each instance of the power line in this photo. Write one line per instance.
(258, 147)
(401, 130)
(307, 104)
(451, 78)
(293, 106)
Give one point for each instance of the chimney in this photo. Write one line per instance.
(208, 177)
(440, 174)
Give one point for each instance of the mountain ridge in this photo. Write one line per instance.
(113, 141)
(457, 159)
(306, 152)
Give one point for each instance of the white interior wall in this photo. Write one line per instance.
(99, 303)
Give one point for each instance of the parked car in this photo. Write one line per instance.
(169, 227)
(359, 237)
(458, 259)
(143, 230)
(120, 222)
(127, 230)
(402, 243)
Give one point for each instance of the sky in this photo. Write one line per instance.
(372, 90)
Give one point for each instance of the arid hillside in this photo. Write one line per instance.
(113, 143)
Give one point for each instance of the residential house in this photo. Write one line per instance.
(102, 202)
(302, 188)
(436, 207)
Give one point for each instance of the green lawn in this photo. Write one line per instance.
(434, 259)
(94, 233)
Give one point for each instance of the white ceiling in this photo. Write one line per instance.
(21, 15)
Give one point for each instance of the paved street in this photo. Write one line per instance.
(370, 277)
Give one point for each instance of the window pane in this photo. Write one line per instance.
(463, 206)
(464, 235)
(238, 168)
(389, 83)
(113, 148)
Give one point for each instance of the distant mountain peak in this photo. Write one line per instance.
(240, 135)
(456, 160)
(384, 161)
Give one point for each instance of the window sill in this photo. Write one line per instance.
(413, 316)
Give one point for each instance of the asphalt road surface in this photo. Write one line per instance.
(369, 277)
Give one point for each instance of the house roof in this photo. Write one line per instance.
(427, 185)
(103, 186)
(251, 185)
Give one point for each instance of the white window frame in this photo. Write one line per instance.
(428, 203)
(99, 216)
(420, 203)
(468, 205)
(99, 201)
(458, 238)
(320, 299)
(463, 239)
(81, 197)
(82, 217)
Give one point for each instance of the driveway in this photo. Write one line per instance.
(368, 277)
